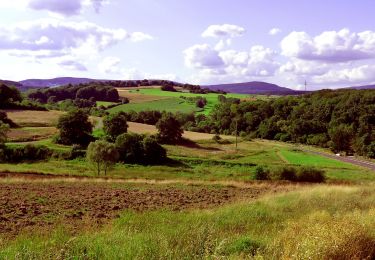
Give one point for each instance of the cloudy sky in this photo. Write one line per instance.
(328, 43)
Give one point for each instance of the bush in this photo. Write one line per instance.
(286, 173)
(134, 148)
(261, 173)
(153, 151)
(26, 153)
(216, 138)
(130, 148)
(310, 174)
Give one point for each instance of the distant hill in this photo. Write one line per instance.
(43, 83)
(255, 87)
(364, 87)
(10, 83)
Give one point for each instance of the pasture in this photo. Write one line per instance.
(153, 98)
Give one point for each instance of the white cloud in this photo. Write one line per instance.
(357, 75)
(53, 37)
(304, 67)
(140, 36)
(110, 65)
(223, 30)
(274, 31)
(230, 65)
(330, 46)
(66, 7)
(202, 56)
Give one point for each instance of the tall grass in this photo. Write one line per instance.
(316, 223)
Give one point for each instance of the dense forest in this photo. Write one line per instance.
(343, 120)
(93, 91)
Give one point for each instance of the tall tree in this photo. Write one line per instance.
(102, 154)
(75, 128)
(115, 125)
(169, 128)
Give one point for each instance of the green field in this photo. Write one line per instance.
(207, 161)
(169, 105)
(175, 103)
(104, 103)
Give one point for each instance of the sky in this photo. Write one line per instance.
(328, 44)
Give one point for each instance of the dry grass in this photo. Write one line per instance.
(150, 129)
(34, 118)
(135, 97)
(31, 134)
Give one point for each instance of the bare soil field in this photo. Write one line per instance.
(34, 118)
(34, 201)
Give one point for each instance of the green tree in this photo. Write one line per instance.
(169, 128)
(75, 128)
(9, 95)
(341, 138)
(130, 148)
(102, 154)
(4, 128)
(115, 125)
(153, 152)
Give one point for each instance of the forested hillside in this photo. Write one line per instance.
(343, 120)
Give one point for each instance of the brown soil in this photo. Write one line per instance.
(29, 203)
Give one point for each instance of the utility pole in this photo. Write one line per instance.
(305, 85)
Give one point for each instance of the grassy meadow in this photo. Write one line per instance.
(156, 99)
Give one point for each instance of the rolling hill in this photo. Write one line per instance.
(255, 87)
(40, 83)
(364, 87)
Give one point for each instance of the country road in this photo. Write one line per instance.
(352, 160)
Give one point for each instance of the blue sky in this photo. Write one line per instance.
(328, 43)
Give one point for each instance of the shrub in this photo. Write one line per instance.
(261, 173)
(286, 173)
(130, 148)
(216, 138)
(310, 174)
(153, 151)
(26, 153)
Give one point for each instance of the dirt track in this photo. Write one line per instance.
(37, 202)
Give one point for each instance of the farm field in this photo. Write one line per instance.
(153, 98)
(165, 104)
(116, 221)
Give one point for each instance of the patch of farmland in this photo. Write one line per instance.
(167, 104)
(36, 202)
(31, 118)
(137, 97)
(151, 129)
(27, 134)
